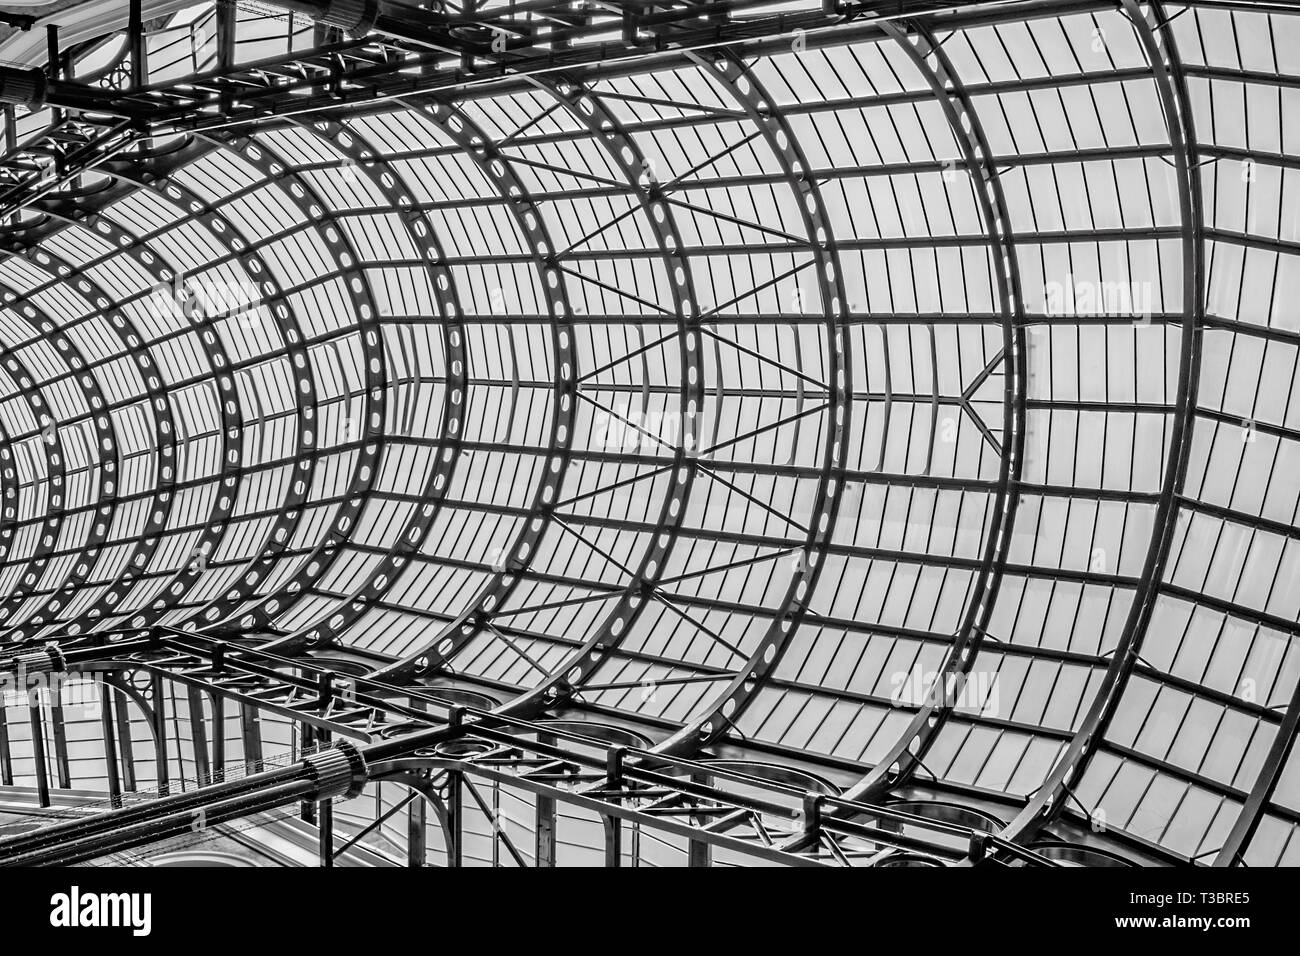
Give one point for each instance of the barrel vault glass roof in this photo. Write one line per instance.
(880, 379)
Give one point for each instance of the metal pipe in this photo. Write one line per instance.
(175, 824)
(340, 771)
(23, 87)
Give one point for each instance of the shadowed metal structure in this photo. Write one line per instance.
(684, 433)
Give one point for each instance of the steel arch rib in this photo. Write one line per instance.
(214, 528)
(52, 446)
(566, 680)
(155, 396)
(1047, 802)
(904, 757)
(329, 627)
(1234, 848)
(374, 370)
(227, 234)
(499, 170)
(106, 448)
(763, 113)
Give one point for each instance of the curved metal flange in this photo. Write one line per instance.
(733, 76)
(225, 232)
(51, 442)
(499, 170)
(414, 774)
(1234, 848)
(384, 574)
(1047, 802)
(165, 277)
(605, 128)
(8, 495)
(336, 240)
(159, 403)
(904, 757)
(105, 450)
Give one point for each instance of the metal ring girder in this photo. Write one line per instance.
(106, 450)
(904, 757)
(499, 170)
(605, 128)
(1261, 793)
(1048, 801)
(227, 233)
(336, 239)
(51, 443)
(9, 484)
(164, 426)
(763, 113)
(408, 542)
(214, 529)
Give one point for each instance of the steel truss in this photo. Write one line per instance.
(438, 749)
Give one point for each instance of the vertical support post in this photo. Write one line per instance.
(417, 827)
(455, 818)
(250, 728)
(219, 738)
(125, 745)
(11, 127)
(325, 825)
(38, 752)
(54, 71)
(199, 736)
(225, 45)
(308, 812)
(110, 746)
(613, 841)
(546, 820)
(160, 734)
(62, 765)
(6, 756)
(139, 50)
(699, 853)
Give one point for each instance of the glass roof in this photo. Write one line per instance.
(740, 401)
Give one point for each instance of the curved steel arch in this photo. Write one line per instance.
(213, 529)
(1166, 69)
(585, 105)
(499, 171)
(762, 111)
(106, 447)
(374, 369)
(51, 443)
(229, 236)
(904, 757)
(332, 624)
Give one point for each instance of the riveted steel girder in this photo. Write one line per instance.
(227, 608)
(499, 170)
(904, 757)
(225, 232)
(104, 451)
(721, 712)
(50, 442)
(385, 573)
(585, 105)
(1157, 42)
(159, 403)
(170, 299)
